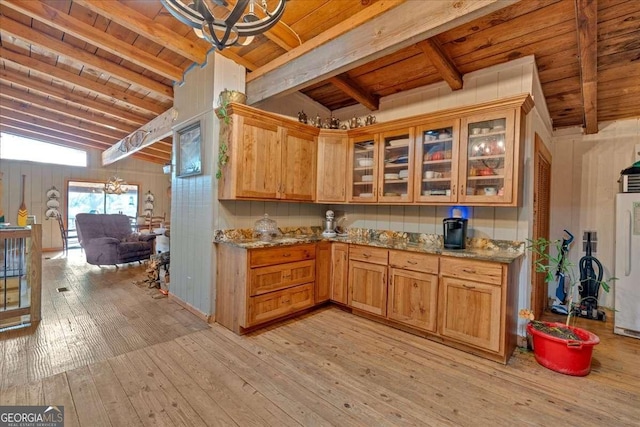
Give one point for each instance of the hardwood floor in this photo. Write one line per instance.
(325, 368)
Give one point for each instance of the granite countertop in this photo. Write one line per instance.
(501, 251)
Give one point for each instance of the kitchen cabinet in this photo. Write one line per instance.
(339, 272)
(381, 166)
(413, 289)
(437, 159)
(473, 303)
(268, 157)
(332, 166)
(491, 158)
(323, 272)
(368, 279)
(255, 286)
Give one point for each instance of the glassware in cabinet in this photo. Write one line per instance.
(364, 167)
(396, 170)
(489, 158)
(437, 158)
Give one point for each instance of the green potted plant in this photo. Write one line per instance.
(560, 346)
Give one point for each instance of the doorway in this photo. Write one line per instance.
(541, 211)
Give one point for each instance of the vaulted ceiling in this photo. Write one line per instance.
(90, 73)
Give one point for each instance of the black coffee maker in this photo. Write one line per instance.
(455, 233)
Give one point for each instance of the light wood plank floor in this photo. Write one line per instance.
(325, 368)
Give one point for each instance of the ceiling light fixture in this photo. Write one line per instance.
(115, 185)
(237, 27)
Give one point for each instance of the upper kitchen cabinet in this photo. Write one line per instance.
(381, 166)
(437, 158)
(265, 156)
(332, 166)
(491, 156)
(362, 166)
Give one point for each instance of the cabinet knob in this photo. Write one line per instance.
(454, 190)
(462, 189)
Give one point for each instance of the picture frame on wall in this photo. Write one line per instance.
(189, 151)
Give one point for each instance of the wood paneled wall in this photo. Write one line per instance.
(41, 177)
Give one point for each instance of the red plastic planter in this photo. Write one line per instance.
(561, 355)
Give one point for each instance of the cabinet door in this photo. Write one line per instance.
(363, 168)
(395, 183)
(488, 152)
(470, 312)
(368, 287)
(332, 167)
(339, 272)
(323, 272)
(259, 160)
(413, 298)
(298, 170)
(437, 157)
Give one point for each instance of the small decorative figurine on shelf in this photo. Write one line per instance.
(334, 123)
(318, 121)
(302, 117)
(371, 119)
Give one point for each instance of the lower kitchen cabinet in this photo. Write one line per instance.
(323, 272)
(339, 272)
(368, 279)
(471, 312)
(413, 298)
(255, 286)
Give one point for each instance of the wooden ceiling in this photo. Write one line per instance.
(89, 73)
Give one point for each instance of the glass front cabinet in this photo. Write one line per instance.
(381, 167)
(488, 155)
(436, 176)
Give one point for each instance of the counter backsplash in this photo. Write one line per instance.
(369, 235)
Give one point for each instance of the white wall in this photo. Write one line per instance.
(41, 177)
(584, 176)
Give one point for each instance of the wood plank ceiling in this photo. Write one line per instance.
(88, 73)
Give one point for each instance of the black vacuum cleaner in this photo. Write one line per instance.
(591, 272)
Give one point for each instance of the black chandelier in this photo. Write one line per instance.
(238, 27)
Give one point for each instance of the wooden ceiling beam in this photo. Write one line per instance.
(155, 130)
(351, 88)
(50, 104)
(115, 95)
(587, 25)
(59, 20)
(399, 27)
(442, 63)
(11, 28)
(350, 23)
(64, 95)
(131, 18)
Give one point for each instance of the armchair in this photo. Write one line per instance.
(107, 239)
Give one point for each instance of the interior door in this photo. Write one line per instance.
(541, 203)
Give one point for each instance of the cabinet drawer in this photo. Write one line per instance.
(274, 277)
(478, 271)
(282, 254)
(414, 261)
(277, 304)
(368, 254)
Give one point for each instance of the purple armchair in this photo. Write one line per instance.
(107, 239)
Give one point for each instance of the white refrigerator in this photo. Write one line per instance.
(627, 266)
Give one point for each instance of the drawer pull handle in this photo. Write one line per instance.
(366, 255)
(412, 262)
(468, 287)
(287, 255)
(469, 270)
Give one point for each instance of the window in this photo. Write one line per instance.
(14, 147)
(89, 197)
